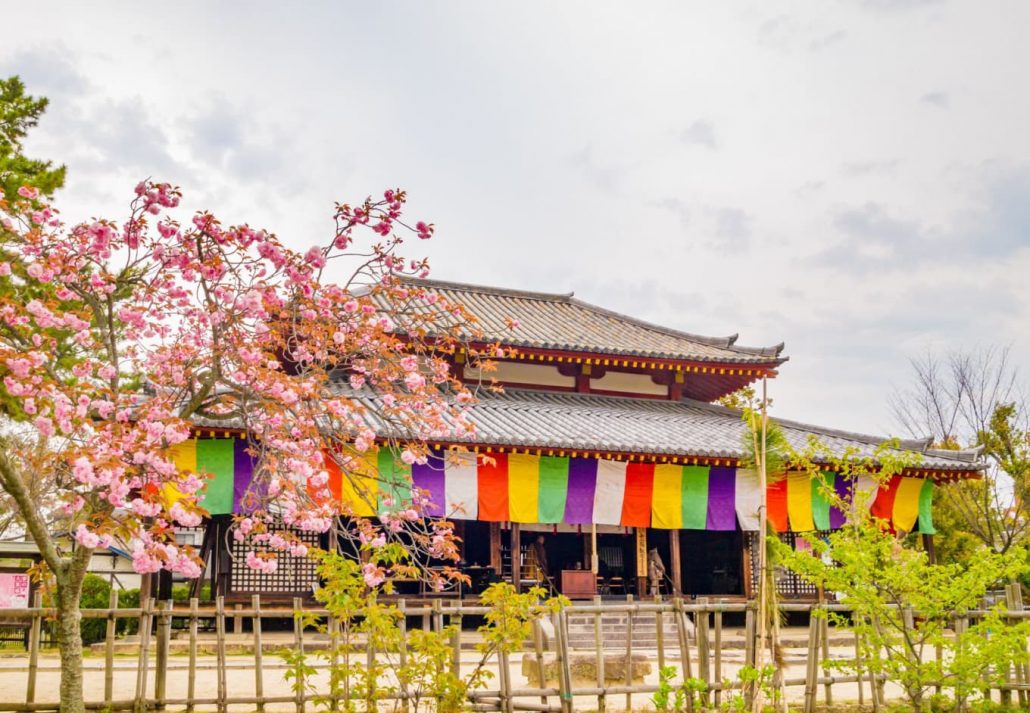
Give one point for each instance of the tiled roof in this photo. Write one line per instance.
(562, 322)
(569, 421)
(586, 422)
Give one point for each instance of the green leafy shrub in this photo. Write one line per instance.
(425, 675)
(903, 608)
(96, 593)
(128, 599)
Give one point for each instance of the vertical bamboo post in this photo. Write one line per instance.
(191, 675)
(143, 666)
(334, 659)
(437, 615)
(259, 676)
(562, 660)
(749, 635)
(718, 657)
(960, 628)
(681, 631)
(759, 437)
(704, 653)
(824, 640)
(402, 655)
(220, 653)
(370, 662)
(879, 684)
(437, 627)
(109, 636)
(874, 690)
(858, 669)
(938, 654)
(164, 631)
(1022, 670)
(1006, 693)
(538, 646)
(504, 678)
(749, 650)
(599, 652)
(298, 643)
(455, 621)
(237, 619)
(628, 663)
(659, 622)
(34, 635)
(811, 662)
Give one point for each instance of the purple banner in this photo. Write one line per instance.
(579, 504)
(844, 488)
(243, 474)
(430, 477)
(722, 491)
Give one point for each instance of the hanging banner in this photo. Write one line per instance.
(560, 490)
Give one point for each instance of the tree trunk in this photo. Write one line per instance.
(69, 642)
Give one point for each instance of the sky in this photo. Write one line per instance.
(851, 177)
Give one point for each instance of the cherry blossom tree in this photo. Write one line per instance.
(165, 324)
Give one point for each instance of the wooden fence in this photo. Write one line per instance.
(698, 649)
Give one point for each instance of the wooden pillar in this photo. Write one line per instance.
(746, 569)
(931, 551)
(145, 587)
(459, 365)
(583, 380)
(163, 588)
(516, 557)
(642, 561)
(496, 561)
(205, 557)
(674, 555)
(588, 550)
(676, 387)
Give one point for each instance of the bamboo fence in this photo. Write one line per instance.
(699, 649)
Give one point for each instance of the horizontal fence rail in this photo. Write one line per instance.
(596, 655)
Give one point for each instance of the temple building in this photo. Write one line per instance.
(604, 446)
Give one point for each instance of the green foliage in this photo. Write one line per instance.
(902, 608)
(128, 599)
(181, 593)
(663, 697)
(953, 542)
(777, 449)
(96, 593)
(20, 112)
(372, 657)
(692, 693)
(754, 679)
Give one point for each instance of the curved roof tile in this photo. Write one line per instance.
(562, 322)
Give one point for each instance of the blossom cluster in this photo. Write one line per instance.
(118, 340)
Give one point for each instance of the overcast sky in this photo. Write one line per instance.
(851, 177)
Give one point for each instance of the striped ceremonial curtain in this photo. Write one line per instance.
(228, 465)
(525, 488)
(800, 503)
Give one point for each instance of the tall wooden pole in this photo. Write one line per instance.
(676, 563)
(593, 549)
(516, 557)
(763, 578)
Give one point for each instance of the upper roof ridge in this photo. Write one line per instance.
(728, 342)
(490, 289)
